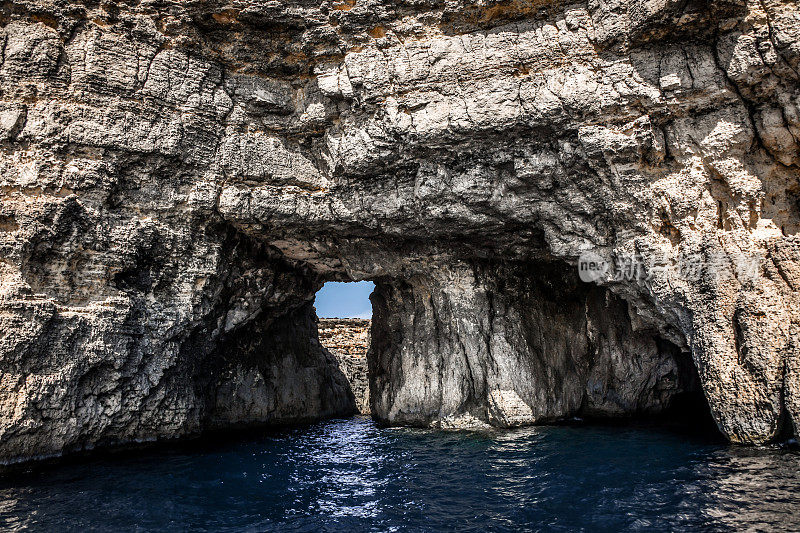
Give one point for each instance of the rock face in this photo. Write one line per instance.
(348, 340)
(179, 178)
(501, 347)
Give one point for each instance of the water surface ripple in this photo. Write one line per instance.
(349, 475)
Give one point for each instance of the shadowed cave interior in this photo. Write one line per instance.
(359, 324)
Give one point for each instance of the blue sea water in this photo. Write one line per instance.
(349, 475)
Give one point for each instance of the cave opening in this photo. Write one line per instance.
(687, 411)
(344, 314)
(502, 348)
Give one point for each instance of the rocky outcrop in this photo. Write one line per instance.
(348, 339)
(170, 356)
(471, 348)
(179, 178)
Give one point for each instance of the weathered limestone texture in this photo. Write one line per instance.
(179, 177)
(348, 340)
(532, 350)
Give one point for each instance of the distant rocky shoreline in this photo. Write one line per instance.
(348, 340)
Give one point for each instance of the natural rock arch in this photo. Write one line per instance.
(177, 182)
(510, 345)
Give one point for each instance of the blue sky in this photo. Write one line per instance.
(344, 300)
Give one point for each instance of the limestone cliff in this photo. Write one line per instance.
(179, 177)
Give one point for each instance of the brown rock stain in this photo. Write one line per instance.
(345, 5)
(227, 16)
(378, 32)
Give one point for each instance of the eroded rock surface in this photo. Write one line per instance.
(178, 178)
(497, 347)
